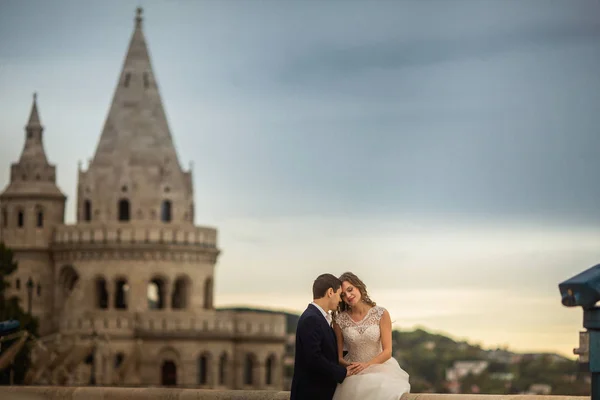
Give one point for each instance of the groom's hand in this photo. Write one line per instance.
(349, 371)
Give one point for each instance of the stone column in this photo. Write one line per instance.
(278, 372)
(237, 377)
(110, 292)
(260, 374)
(110, 367)
(213, 377)
(167, 294)
(97, 364)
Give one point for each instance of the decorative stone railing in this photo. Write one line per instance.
(233, 325)
(149, 325)
(93, 234)
(226, 324)
(114, 393)
(108, 324)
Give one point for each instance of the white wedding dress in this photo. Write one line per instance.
(362, 339)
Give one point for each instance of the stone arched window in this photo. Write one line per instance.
(168, 373)
(223, 365)
(101, 293)
(68, 278)
(87, 210)
(90, 361)
(20, 218)
(181, 293)
(166, 211)
(270, 370)
(39, 216)
(121, 293)
(208, 293)
(249, 367)
(156, 294)
(119, 358)
(169, 361)
(124, 210)
(203, 369)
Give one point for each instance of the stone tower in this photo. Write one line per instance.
(135, 175)
(130, 284)
(32, 206)
(136, 196)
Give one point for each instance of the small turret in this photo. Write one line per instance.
(31, 203)
(31, 207)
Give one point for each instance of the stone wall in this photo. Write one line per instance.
(113, 393)
(40, 217)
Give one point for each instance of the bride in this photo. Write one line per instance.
(366, 331)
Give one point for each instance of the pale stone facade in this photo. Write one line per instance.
(125, 295)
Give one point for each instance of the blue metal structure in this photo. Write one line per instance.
(583, 290)
(9, 326)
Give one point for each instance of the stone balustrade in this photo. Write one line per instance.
(109, 324)
(230, 324)
(148, 393)
(92, 234)
(253, 324)
(209, 326)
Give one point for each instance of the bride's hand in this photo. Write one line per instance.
(357, 367)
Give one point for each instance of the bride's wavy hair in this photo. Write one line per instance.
(360, 285)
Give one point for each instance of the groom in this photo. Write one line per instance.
(316, 368)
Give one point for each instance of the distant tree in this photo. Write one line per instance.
(11, 309)
(496, 366)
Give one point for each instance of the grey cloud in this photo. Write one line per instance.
(338, 62)
(506, 137)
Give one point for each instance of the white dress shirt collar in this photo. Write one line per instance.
(326, 315)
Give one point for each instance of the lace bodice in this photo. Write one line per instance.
(362, 339)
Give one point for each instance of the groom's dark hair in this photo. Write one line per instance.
(323, 283)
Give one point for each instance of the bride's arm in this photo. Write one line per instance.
(340, 344)
(385, 327)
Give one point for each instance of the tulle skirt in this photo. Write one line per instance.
(385, 381)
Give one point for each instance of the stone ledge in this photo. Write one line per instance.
(121, 393)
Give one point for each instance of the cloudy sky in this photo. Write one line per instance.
(444, 151)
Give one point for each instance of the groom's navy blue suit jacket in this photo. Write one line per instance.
(316, 368)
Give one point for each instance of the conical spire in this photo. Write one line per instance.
(33, 151)
(135, 158)
(136, 131)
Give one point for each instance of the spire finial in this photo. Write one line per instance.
(138, 16)
(34, 118)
